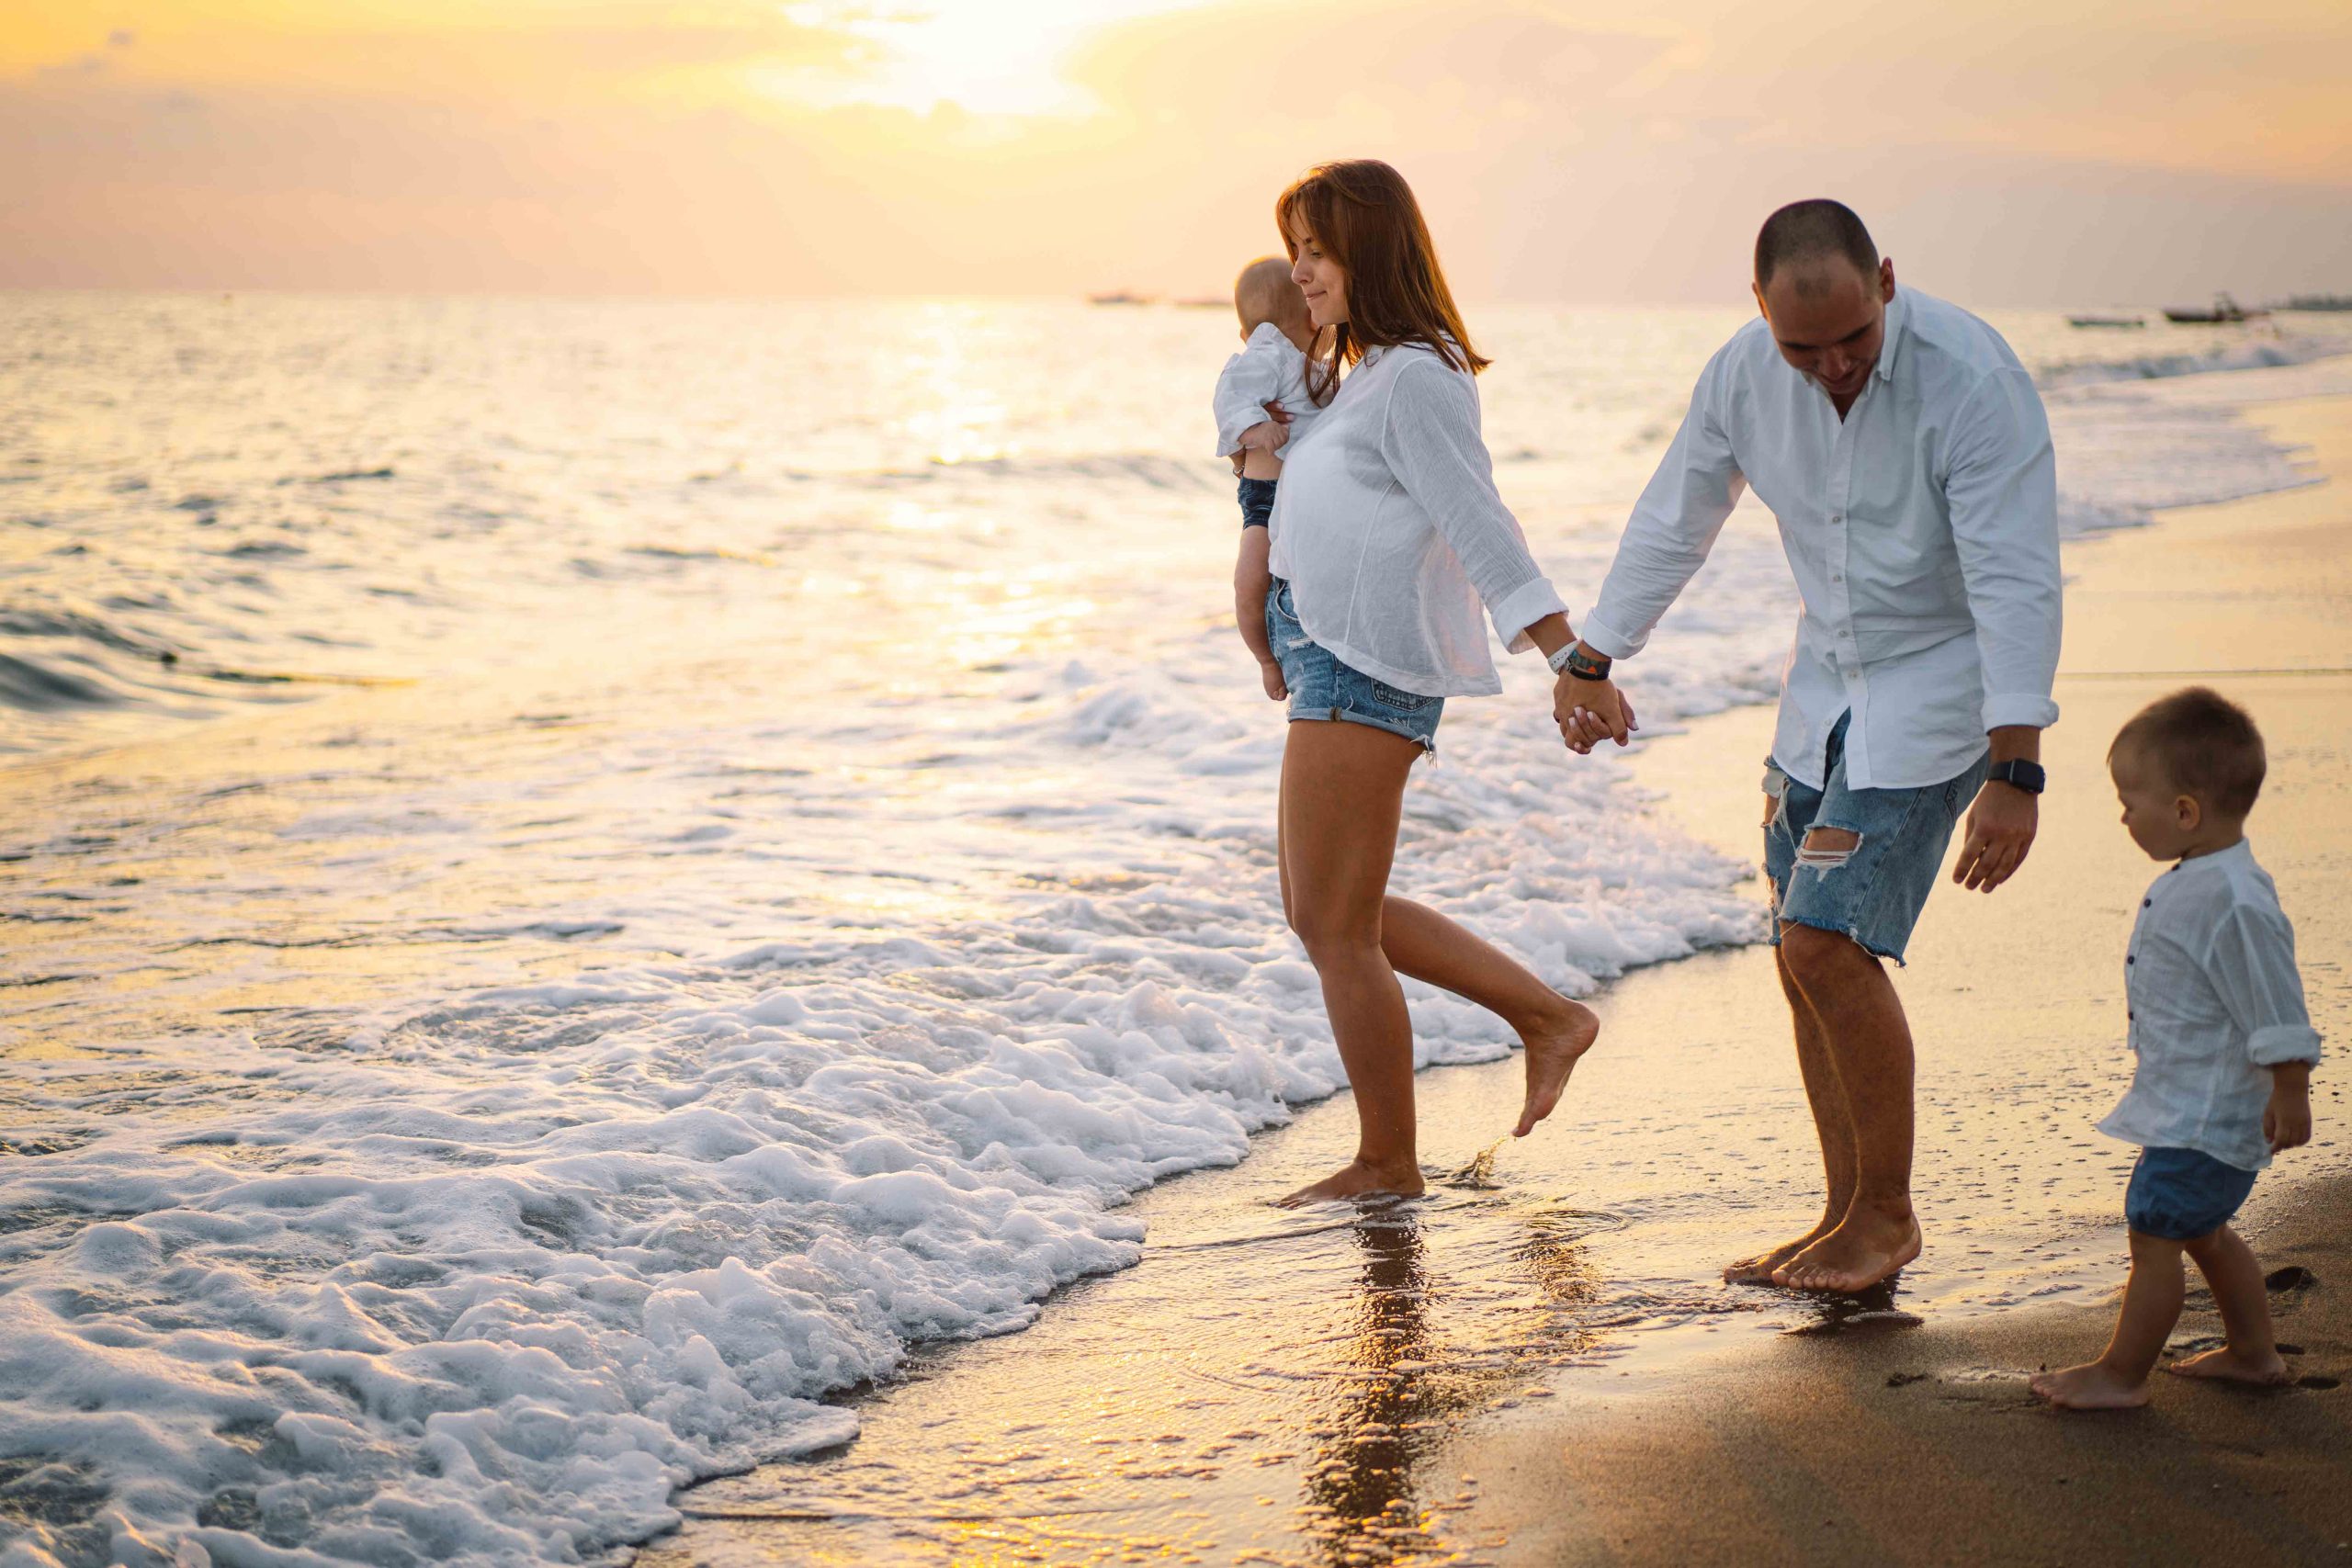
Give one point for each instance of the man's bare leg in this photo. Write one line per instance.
(1427, 946)
(1833, 1126)
(1868, 1043)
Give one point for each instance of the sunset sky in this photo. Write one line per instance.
(2006, 152)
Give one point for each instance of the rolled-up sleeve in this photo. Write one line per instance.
(2252, 966)
(1250, 380)
(1674, 526)
(2003, 490)
(1432, 443)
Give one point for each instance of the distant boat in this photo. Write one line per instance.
(2318, 302)
(2225, 311)
(1119, 296)
(2107, 320)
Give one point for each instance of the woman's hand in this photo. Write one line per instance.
(1589, 712)
(1265, 436)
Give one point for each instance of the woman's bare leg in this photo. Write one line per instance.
(1342, 794)
(1425, 945)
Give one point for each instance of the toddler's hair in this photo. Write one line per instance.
(2206, 745)
(1264, 292)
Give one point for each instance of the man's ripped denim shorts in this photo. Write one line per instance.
(1323, 688)
(1873, 893)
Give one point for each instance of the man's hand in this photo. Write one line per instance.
(1267, 436)
(2287, 1120)
(1589, 712)
(2000, 830)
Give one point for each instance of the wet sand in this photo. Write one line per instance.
(1921, 1444)
(1537, 1365)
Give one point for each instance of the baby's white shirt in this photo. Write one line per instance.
(1270, 369)
(2214, 1002)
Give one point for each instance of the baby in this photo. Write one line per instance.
(1270, 367)
(2225, 1047)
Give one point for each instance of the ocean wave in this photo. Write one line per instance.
(2250, 354)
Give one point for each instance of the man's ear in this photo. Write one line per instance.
(1763, 309)
(1886, 280)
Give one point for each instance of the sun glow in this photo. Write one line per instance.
(986, 57)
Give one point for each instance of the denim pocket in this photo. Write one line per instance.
(1282, 603)
(1404, 701)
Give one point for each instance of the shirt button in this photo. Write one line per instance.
(2147, 903)
(2128, 959)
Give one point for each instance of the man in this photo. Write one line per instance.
(1906, 456)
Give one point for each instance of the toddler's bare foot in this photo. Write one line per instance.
(1866, 1246)
(2091, 1386)
(2230, 1365)
(1551, 1052)
(1758, 1270)
(1357, 1180)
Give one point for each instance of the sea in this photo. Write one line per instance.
(581, 879)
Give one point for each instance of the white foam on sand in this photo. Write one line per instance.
(486, 1277)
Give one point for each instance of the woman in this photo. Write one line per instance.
(1386, 533)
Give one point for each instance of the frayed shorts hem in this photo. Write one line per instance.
(1849, 932)
(1426, 743)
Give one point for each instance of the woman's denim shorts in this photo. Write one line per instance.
(2181, 1194)
(1872, 894)
(1321, 687)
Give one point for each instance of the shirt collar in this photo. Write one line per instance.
(2237, 854)
(1896, 315)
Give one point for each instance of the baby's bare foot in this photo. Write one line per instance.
(2091, 1386)
(1357, 1180)
(1552, 1054)
(2228, 1364)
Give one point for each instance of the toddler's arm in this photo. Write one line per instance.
(2287, 1120)
(1250, 580)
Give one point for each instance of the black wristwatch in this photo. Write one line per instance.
(1574, 660)
(2020, 774)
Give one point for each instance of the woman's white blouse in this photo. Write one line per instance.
(2215, 1003)
(1388, 527)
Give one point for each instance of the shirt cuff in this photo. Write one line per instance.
(1607, 640)
(2283, 1043)
(1521, 608)
(2000, 711)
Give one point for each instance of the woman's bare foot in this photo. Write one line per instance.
(2230, 1365)
(1758, 1270)
(1551, 1052)
(2091, 1386)
(1868, 1245)
(1357, 1180)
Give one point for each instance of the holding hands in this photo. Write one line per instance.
(1589, 712)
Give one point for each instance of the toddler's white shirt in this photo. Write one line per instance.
(2214, 1001)
(1269, 370)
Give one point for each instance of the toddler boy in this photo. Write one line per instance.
(2225, 1047)
(1270, 367)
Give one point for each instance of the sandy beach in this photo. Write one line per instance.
(1432, 1415)
(1920, 1444)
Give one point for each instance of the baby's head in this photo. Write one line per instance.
(2188, 769)
(1264, 292)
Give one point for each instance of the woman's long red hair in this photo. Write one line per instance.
(1363, 216)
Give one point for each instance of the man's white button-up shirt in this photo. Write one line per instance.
(2215, 1002)
(1922, 529)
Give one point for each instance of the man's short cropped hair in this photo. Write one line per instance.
(2205, 746)
(1813, 231)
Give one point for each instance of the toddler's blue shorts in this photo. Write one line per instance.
(2181, 1194)
(1874, 894)
(1256, 497)
(1323, 688)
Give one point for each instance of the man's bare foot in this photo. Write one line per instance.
(2228, 1364)
(1758, 1270)
(1866, 1246)
(1552, 1054)
(2091, 1386)
(1357, 1180)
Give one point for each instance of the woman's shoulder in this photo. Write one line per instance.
(1420, 377)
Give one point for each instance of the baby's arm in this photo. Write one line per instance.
(1251, 579)
(2287, 1120)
